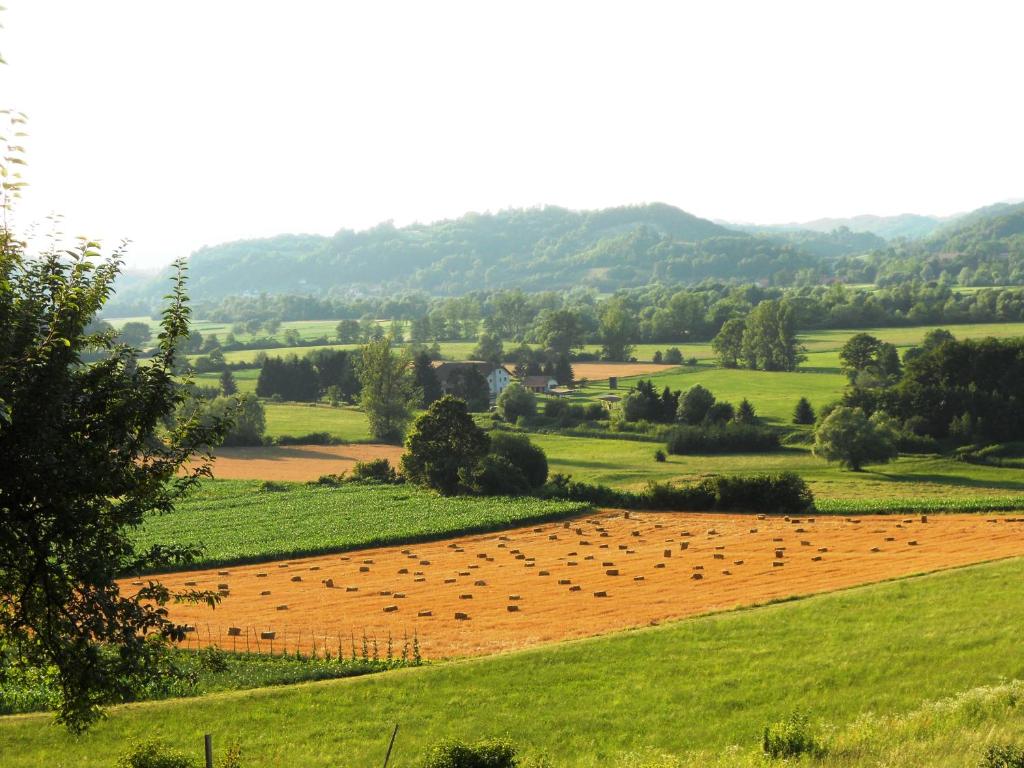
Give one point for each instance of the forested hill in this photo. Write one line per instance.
(533, 249)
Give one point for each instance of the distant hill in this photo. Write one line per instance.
(534, 249)
(911, 226)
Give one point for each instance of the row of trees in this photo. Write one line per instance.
(764, 340)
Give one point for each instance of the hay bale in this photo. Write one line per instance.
(466, 596)
(390, 608)
(698, 567)
(912, 542)
(607, 564)
(553, 537)
(282, 607)
(512, 608)
(780, 552)
(283, 565)
(423, 614)
(684, 545)
(219, 586)
(351, 589)
(924, 518)
(696, 576)
(777, 564)
(575, 588)
(367, 562)
(268, 635)
(571, 563)
(600, 593)
(823, 549)
(191, 583)
(634, 533)
(460, 616)
(760, 517)
(612, 572)
(329, 583)
(463, 573)
(659, 565)
(667, 553)
(481, 555)
(805, 543)
(403, 570)
(875, 549)
(223, 592)
(480, 583)
(890, 538)
(449, 581)
(223, 573)
(296, 578)
(544, 573)
(753, 530)
(420, 578)
(261, 575)
(638, 578)
(424, 562)
(364, 569)
(737, 562)
(314, 567)
(565, 581)
(384, 592)
(264, 593)
(345, 557)
(727, 573)
(816, 558)
(529, 565)
(234, 631)
(718, 556)
(565, 525)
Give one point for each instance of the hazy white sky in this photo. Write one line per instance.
(178, 124)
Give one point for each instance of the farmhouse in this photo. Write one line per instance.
(497, 376)
(542, 384)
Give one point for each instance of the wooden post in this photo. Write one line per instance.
(390, 745)
(208, 742)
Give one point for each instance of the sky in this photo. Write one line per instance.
(183, 124)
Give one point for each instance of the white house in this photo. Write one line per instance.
(497, 376)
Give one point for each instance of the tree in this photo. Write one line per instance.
(695, 404)
(728, 343)
(803, 413)
(228, 386)
(425, 377)
(468, 384)
(348, 331)
(745, 413)
(859, 353)
(769, 338)
(246, 414)
(617, 330)
(849, 437)
(673, 356)
(135, 334)
(517, 401)
(397, 331)
(388, 393)
(443, 441)
(489, 348)
(563, 372)
(560, 331)
(335, 371)
(96, 448)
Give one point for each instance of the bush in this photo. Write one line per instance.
(694, 405)
(1002, 756)
(517, 401)
(719, 413)
(495, 476)
(720, 438)
(791, 737)
(673, 356)
(529, 459)
(311, 438)
(659, 456)
(375, 470)
(487, 753)
(272, 486)
(332, 481)
(154, 754)
(781, 493)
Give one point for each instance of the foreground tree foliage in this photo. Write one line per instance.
(87, 451)
(444, 446)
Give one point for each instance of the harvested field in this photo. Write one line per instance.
(297, 463)
(598, 371)
(595, 574)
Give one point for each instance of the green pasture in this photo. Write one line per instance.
(345, 423)
(695, 686)
(241, 521)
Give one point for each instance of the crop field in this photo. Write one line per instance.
(600, 573)
(297, 463)
(884, 648)
(239, 521)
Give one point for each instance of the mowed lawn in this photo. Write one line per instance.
(345, 423)
(239, 521)
(696, 685)
(630, 463)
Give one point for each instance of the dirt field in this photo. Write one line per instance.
(599, 371)
(297, 462)
(604, 572)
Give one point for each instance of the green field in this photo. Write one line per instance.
(344, 423)
(689, 687)
(237, 522)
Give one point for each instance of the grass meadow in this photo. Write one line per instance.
(688, 688)
(239, 521)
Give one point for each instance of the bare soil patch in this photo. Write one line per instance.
(297, 463)
(598, 371)
(599, 573)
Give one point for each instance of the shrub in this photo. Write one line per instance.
(375, 470)
(746, 414)
(659, 456)
(495, 476)
(719, 413)
(487, 753)
(529, 459)
(332, 481)
(791, 737)
(720, 438)
(657, 357)
(272, 486)
(517, 401)
(1002, 756)
(780, 493)
(673, 356)
(154, 754)
(311, 438)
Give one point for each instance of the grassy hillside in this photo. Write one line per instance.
(698, 685)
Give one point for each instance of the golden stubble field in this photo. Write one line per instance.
(599, 573)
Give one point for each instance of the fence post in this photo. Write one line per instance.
(208, 742)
